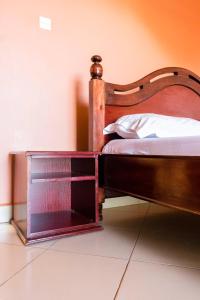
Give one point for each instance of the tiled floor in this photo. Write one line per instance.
(146, 252)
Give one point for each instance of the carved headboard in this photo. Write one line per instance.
(170, 91)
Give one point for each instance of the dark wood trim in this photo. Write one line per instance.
(169, 180)
(96, 114)
(171, 91)
(170, 72)
(107, 101)
(148, 90)
(60, 192)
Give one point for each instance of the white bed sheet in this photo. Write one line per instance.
(184, 146)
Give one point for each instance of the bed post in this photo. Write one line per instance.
(96, 105)
(97, 114)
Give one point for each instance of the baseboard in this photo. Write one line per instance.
(5, 213)
(121, 201)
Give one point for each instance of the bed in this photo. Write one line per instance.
(168, 179)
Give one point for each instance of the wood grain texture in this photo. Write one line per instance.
(175, 100)
(96, 70)
(151, 84)
(171, 181)
(171, 91)
(20, 187)
(60, 191)
(96, 114)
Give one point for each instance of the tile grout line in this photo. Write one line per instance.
(165, 264)
(87, 254)
(30, 262)
(54, 250)
(140, 230)
(11, 244)
(31, 246)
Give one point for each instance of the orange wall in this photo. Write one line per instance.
(44, 75)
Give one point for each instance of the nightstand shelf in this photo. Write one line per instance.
(35, 178)
(55, 194)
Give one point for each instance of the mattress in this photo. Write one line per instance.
(185, 146)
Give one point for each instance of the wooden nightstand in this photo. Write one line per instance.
(54, 194)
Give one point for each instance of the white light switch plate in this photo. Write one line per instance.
(45, 23)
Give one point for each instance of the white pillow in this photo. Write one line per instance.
(153, 125)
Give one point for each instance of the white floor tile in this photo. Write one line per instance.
(169, 236)
(57, 275)
(121, 228)
(43, 245)
(147, 281)
(8, 235)
(14, 258)
(110, 242)
(130, 216)
(165, 264)
(121, 201)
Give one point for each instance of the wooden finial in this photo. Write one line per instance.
(96, 69)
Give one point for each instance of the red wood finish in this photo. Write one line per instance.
(136, 92)
(170, 91)
(96, 70)
(55, 193)
(172, 181)
(96, 114)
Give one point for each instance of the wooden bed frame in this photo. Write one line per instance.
(173, 181)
